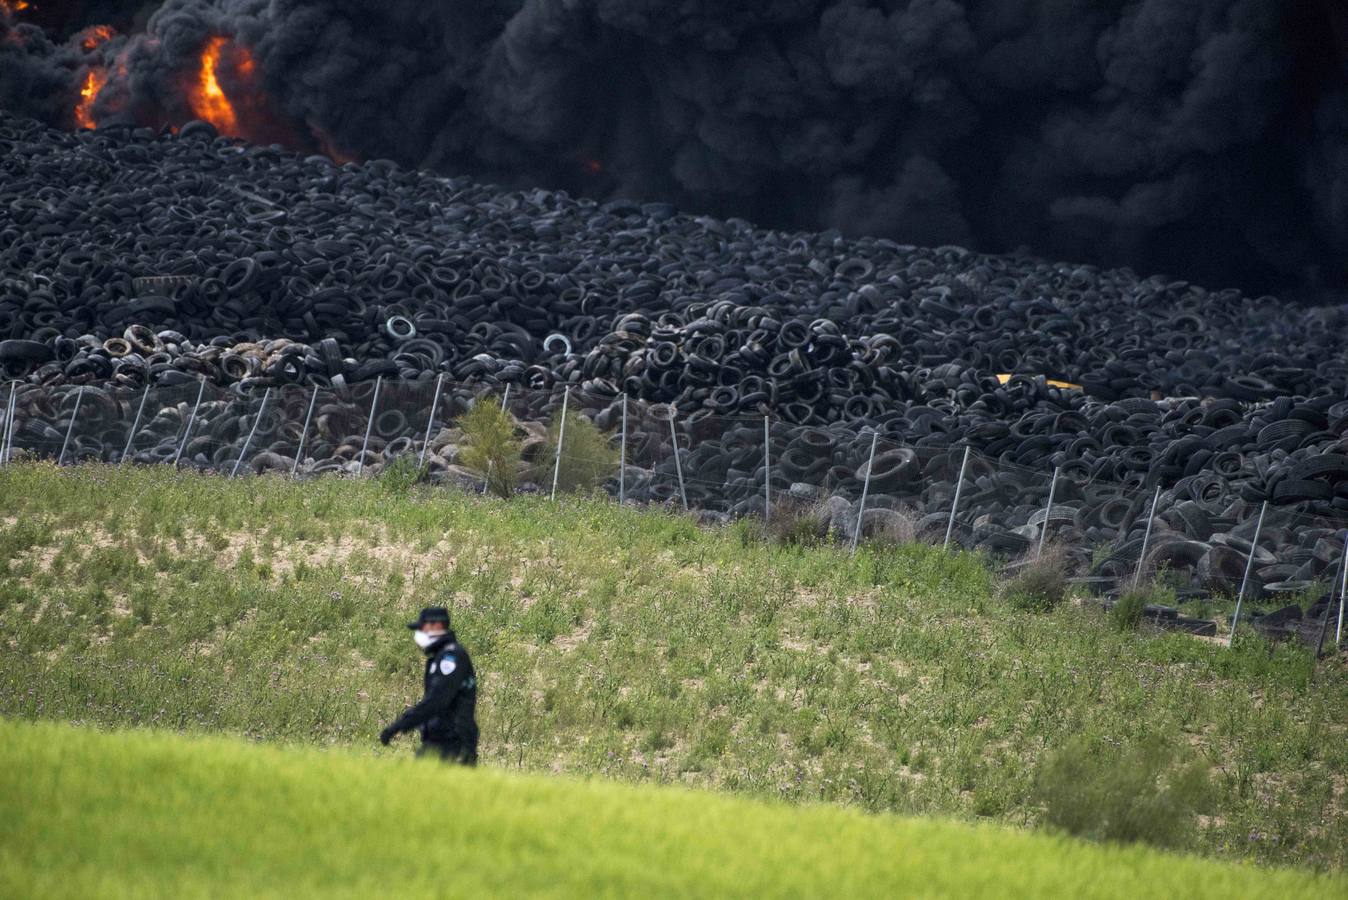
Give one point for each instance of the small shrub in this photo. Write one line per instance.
(1145, 792)
(1127, 612)
(1168, 578)
(1041, 584)
(588, 456)
(796, 523)
(624, 717)
(747, 532)
(659, 736)
(491, 448)
(401, 474)
(896, 528)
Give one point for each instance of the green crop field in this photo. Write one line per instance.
(633, 646)
(147, 814)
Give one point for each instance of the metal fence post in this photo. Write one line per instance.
(177, 457)
(1146, 538)
(257, 420)
(678, 463)
(369, 426)
(1320, 635)
(505, 398)
(561, 436)
(865, 489)
(430, 423)
(304, 434)
(622, 457)
(13, 425)
(955, 504)
(71, 427)
(135, 423)
(767, 472)
(7, 432)
(9, 424)
(1048, 511)
(1249, 564)
(1343, 586)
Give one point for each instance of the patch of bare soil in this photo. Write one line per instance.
(572, 640)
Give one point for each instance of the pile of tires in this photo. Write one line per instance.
(130, 257)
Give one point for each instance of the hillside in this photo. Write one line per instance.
(634, 646)
(147, 814)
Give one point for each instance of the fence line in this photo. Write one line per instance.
(861, 483)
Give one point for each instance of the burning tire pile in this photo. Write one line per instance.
(132, 258)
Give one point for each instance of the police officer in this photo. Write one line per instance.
(445, 714)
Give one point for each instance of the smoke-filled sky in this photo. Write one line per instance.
(1206, 139)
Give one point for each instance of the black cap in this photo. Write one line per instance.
(431, 614)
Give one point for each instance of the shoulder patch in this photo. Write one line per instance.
(447, 665)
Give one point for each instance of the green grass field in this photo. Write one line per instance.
(89, 814)
(634, 646)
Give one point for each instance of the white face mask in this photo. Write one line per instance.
(424, 640)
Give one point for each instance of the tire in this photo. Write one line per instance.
(24, 351)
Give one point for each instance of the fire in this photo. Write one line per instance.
(334, 153)
(10, 7)
(328, 147)
(207, 98)
(225, 90)
(91, 38)
(84, 110)
(592, 166)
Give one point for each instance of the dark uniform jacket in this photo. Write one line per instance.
(445, 715)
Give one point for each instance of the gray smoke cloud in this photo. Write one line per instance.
(1207, 139)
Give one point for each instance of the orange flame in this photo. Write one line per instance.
(329, 148)
(84, 110)
(207, 97)
(336, 154)
(91, 38)
(10, 7)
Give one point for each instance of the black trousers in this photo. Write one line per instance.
(456, 753)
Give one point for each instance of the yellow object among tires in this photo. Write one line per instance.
(1004, 378)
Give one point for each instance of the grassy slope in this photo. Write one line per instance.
(84, 813)
(630, 645)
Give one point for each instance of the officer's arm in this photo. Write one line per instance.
(437, 699)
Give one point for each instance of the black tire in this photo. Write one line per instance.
(25, 351)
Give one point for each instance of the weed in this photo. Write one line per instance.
(896, 527)
(657, 739)
(1140, 792)
(400, 475)
(1127, 612)
(796, 523)
(1040, 584)
(1309, 596)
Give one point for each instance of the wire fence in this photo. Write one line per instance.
(1207, 543)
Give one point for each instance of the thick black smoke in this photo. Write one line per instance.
(1203, 138)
